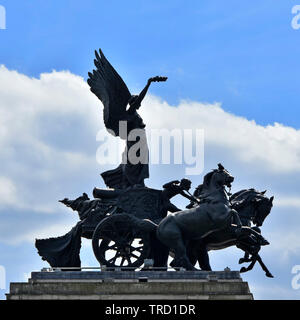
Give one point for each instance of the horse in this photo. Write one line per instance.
(252, 206)
(212, 214)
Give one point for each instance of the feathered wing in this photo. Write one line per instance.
(110, 88)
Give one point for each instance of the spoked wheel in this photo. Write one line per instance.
(117, 243)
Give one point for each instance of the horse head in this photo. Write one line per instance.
(218, 178)
(252, 205)
(263, 206)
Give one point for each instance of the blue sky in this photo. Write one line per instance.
(243, 55)
(240, 53)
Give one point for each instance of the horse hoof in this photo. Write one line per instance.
(175, 265)
(243, 269)
(242, 260)
(269, 275)
(192, 268)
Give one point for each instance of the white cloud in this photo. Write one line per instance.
(274, 148)
(32, 112)
(37, 232)
(8, 194)
(284, 245)
(43, 233)
(286, 201)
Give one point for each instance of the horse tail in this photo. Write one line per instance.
(149, 225)
(144, 225)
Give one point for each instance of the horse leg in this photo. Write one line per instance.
(251, 265)
(181, 259)
(251, 236)
(196, 251)
(236, 218)
(159, 253)
(191, 248)
(203, 257)
(245, 258)
(170, 235)
(263, 266)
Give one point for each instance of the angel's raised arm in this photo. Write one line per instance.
(136, 102)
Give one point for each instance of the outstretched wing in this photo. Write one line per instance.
(110, 88)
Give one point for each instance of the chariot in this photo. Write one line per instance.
(120, 235)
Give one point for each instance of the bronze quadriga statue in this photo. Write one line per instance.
(129, 222)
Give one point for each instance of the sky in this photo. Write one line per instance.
(232, 72)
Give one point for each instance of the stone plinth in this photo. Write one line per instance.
(130, 285)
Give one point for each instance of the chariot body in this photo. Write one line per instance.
(119, 234)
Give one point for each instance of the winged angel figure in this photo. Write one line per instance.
(121, 118)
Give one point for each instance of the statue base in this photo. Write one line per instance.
(131, 285)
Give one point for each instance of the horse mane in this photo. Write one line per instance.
(207, 178)
(242, 197)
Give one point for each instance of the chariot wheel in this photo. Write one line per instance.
(117, 243)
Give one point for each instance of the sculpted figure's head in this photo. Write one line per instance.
(185, 184)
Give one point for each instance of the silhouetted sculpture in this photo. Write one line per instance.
(253, 207)
(170, 190)
(109, 87)
(129, 222)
